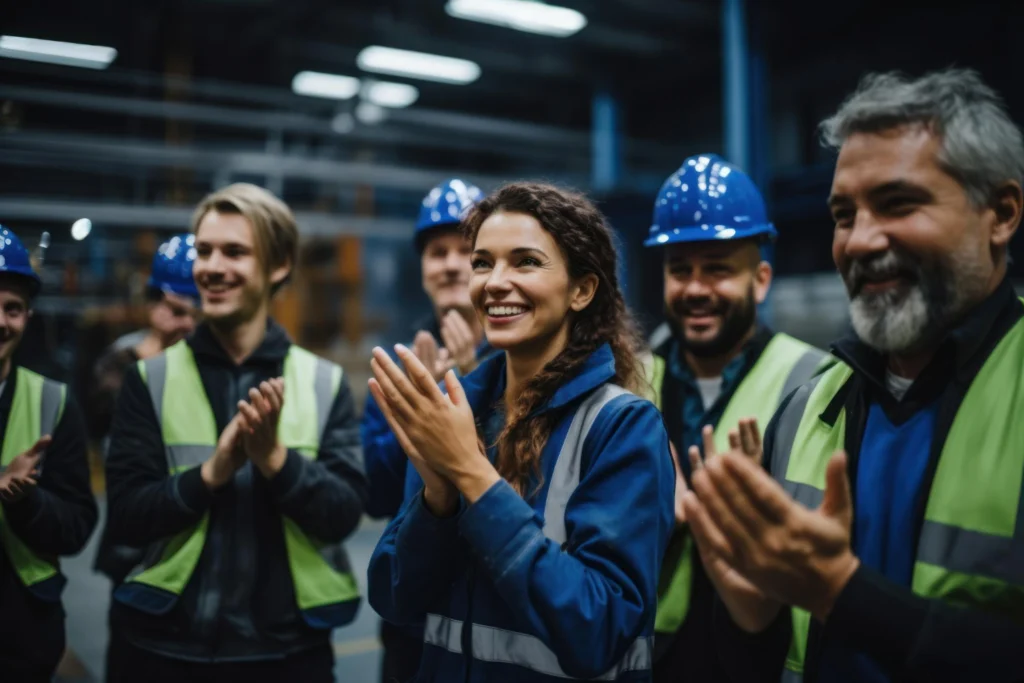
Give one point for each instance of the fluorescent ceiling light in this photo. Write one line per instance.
(331, 86)
(369, 113)
(81, 228)
(56, 52)
(429, 67)
(394, 95)
(521, 15)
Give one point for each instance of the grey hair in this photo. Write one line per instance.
(980, 146)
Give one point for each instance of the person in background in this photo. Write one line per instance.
(540, 502)
(235, 460)
(445, 262)
(47, 508)
(713, 363)
(891, 522)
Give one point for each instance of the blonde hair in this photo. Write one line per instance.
(275, 232)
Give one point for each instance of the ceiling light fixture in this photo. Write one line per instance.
(330, 86)
(393, 95)
(56, 52)
(387, 60)
(521, 15)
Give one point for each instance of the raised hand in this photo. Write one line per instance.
(436, 360)
(459, 342)
(227, 457)
(259, 417)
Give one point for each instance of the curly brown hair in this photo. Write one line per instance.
(586, 241)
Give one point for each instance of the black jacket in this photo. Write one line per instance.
(239, 603)
(911, 637)
(55, 519)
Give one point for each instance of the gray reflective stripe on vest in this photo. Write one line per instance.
(509, 647)
(791, 677)
(973, 552)
(566, 475)
(802, 371)
(785, 437)
(50, 404)
(179, 456)
(324, 393)
(660, 335)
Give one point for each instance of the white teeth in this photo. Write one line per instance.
(505, 310)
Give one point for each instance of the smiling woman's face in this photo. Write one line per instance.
(520, 287)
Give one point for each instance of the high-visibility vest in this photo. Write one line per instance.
(784, 365)
(968, 552)
(36, 408)
(325, 589)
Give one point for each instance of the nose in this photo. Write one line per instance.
(212, 263)
(866, 237)
(455, 260)
(497, 281)
(696, 286)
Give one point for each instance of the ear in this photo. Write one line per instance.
(280, 273)
(762, 281)
(1007, 204)
(583, 292)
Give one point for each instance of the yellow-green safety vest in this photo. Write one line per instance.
(971, 545)
(36, 408)
(325, 589)
(784, 365)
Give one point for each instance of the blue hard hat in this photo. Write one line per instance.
(708, 199)
(14, 258)
(445, 206)
(172, 267)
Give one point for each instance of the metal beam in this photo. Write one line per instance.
(179, 218)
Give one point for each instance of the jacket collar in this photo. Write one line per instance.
(272, 349)
(485, 386)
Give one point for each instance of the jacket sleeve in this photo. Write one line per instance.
(754, 657)
(326, 496)
(415, 560)
(590, 602)
(385, 462)
(146, 503)
(59, 514)
(918, 639)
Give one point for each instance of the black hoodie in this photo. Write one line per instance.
(239, 604)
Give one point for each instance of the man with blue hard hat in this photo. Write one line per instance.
(713, 364)
(46, 505)
(445, 261)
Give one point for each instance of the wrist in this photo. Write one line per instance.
(441, 501)
(273, 463)
(833, 581)
(475, 479)
(212, 475)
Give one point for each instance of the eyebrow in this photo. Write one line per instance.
(892, 187)
(515, 252)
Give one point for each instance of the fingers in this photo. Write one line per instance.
(837, 501)
(41, 445)
(734, 440)
(383, 374)
(757, 488)
(249, 417)
(750, 437)
(458, 329)
(695, 462)
(455, 390)
(708, 435)
(425, 347)
(719, 508)
(711, 542)
(418, 373)
(389, 416)
(260, 402)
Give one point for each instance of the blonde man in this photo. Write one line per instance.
(235, 458)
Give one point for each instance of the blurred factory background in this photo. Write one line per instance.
(108, 140)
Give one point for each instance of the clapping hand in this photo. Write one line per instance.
(258, 420)
(19, 477)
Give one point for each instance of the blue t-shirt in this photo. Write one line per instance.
(890, 472)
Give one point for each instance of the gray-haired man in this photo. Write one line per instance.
(893, 519)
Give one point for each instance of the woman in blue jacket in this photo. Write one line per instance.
(543, 488)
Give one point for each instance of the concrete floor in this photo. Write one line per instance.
(87, 597)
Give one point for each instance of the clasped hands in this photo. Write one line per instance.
(19, 477)
(436, 430)
(760, 547)
(251, 435)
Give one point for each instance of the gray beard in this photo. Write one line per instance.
(906, 319)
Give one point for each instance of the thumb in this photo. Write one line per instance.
(41, 445)
(454, 386)
(837, 502)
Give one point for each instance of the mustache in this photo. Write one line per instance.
(889, 264)
(684, 307)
